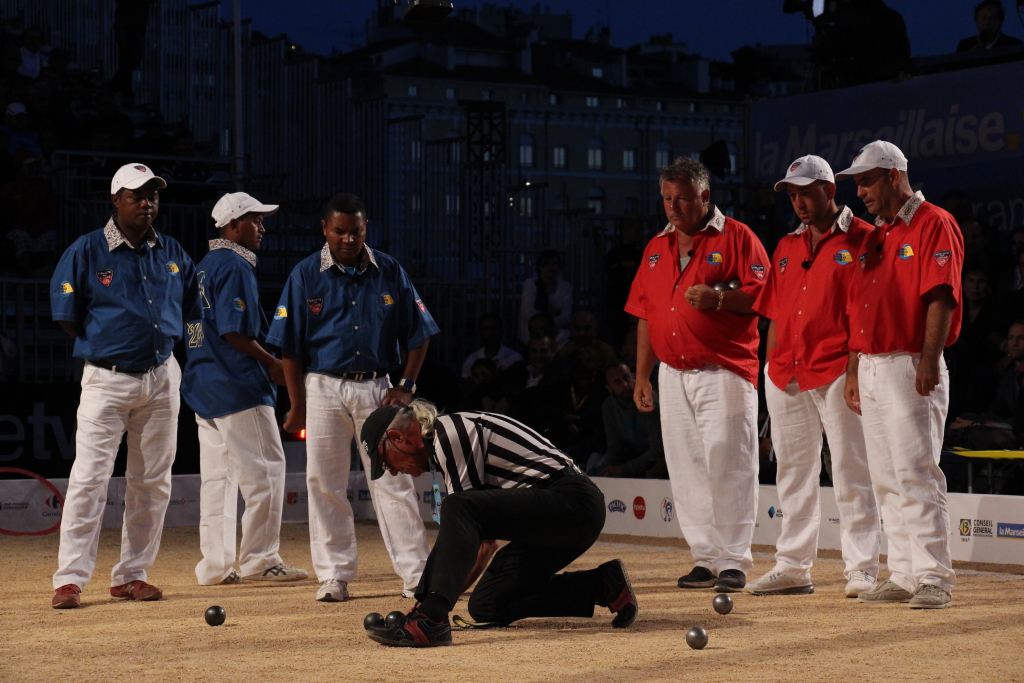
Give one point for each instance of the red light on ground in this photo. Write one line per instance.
(301, 435)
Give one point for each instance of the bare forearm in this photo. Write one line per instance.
(937, 321)
(293, 376)
(250, 347)
(737, 302)
(415, 361)
(70, 328)
(645, 357)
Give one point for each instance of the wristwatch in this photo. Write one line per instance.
(408, 385)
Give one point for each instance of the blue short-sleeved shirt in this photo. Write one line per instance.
(128, 304)
(337, 321)
(219, 379)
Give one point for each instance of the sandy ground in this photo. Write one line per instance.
(279, 633)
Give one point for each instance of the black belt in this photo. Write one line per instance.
(358, 376)
(122, 369)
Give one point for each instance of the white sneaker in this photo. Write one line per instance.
(860, 582)
(332, 590)
(777, 582)
(409, 593)
(280, 572)
(233, 577)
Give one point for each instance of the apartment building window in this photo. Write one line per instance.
(451, 205)
(416, 150)
(621, 103)
(414, 91)
(662, 154)
(595, 200)
(449, 94)
(631, 205)
(595, 154)
(524, 97)
(593, 102)
(485, 94)
(597, 72)
(526, 150)
(558, 157)
(416, 203)
(658, 106)
(629, 160)
(553, 99)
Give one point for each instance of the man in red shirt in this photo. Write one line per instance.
(904, 308)
(804, 296)
(707, 340)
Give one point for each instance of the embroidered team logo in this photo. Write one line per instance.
(942, 258)
(172, 268)
(906, 252)
(715, 258)
(280, 313)
(794, 167)
(316, 304)
(238, 304)
(843, 257)
(782, 264)
(142, 169)
(386, 299)
(758, 271)
(423, 309)
(66, 288)
(652, 260)
(105, 277)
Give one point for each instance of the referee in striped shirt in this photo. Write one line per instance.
(505, 482)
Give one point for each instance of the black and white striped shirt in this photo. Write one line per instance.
(484, 450)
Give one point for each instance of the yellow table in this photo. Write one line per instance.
(988, 458)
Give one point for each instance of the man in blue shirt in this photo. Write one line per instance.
(122, 292)
(345, 315)
(229, 382)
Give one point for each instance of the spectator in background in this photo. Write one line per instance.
(33, 61)
(485, 392)
(547, 293)
(584, 336)
(490, 330)
(977, 348)
(29, 207)
(634, 438)
(620, 266)
(1003, 408)
(574, 416)
(190, 176)
(541, 324)
(988, 18)
(21, 135)
(1014, 279)
(542, 357)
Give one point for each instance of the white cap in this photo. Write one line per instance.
(878, 154)
(806, 170)
(237, 204)
(15, 108)
(134, 176)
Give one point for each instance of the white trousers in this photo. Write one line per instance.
(146, 406)
(240, 451)
(335, 411)
(709, 428)
(903, 435)
(797, 420)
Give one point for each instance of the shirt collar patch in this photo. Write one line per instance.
(115, 238)
(717, 221)
(366, 259)
(235, 247)
(908, 211)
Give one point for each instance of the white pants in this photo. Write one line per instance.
(146, 406)
(240, 450)
(335, 411)
(903, 435)
(709, 427)
(797, 420)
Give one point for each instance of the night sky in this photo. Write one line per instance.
(713, 28)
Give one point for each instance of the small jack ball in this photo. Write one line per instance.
(722, 604)
(393, 619)
(373, 620)
(697, 638)
(215, 615)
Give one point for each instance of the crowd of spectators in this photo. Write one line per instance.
(49, 104)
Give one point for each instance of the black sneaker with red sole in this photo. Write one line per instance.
(618, 596)
(416, 630)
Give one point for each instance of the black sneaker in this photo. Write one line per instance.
(618, 595)
(699, 577)
(416, 630)
(730, 581)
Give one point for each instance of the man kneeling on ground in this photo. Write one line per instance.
(505, 482)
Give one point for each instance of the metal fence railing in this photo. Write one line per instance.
(33, 348)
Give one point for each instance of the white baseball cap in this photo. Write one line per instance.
(806, 170)
(134, 176)
(237, 204)
(878, 154)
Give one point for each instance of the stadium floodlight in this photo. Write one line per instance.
(430, 11)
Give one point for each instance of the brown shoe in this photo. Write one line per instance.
(137, 590)
(67, 596)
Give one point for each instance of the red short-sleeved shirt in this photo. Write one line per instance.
(808, 305)
(682, 336)
(899, 263)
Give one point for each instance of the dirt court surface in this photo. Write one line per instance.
(278, 632)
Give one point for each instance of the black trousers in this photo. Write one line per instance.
(548, 527)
